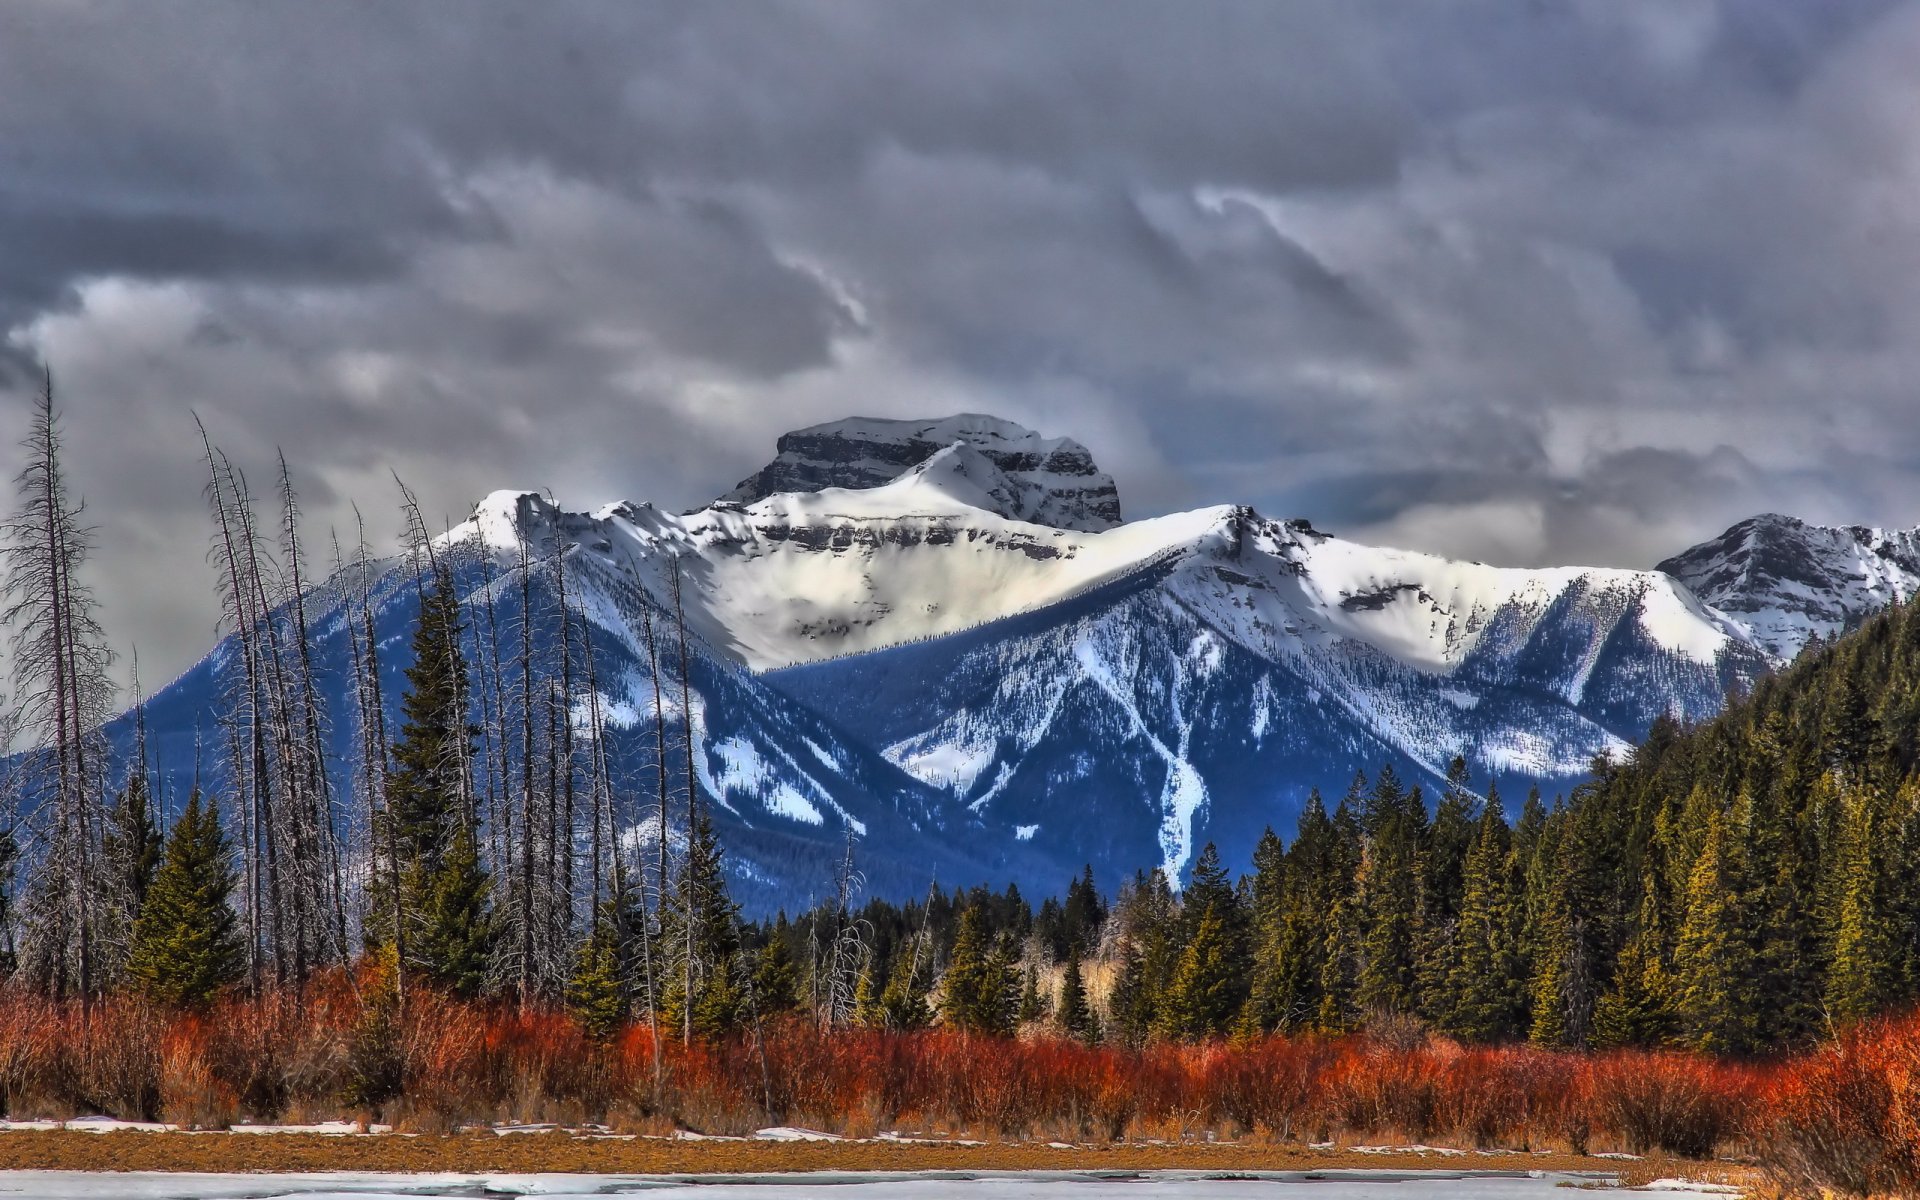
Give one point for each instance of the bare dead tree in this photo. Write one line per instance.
(60, 663)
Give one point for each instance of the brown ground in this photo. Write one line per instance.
(527, 1153)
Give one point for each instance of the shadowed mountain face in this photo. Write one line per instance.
(1788, 581)
(957, 655)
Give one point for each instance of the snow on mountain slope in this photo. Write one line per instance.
(1208, 689)
(1786, 580)
(989, 697)
(1051, 481)
(1183, 665)
(805, 576)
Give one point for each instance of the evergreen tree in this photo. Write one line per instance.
(428, 822)
(1130, 1006)
(1638, 1008)
(1711, 960)
(132, 843)
(905, 1000)
(131, 847)
(1388, 899)
(1204, 995)
(978, 986)
(186, 942)
(1031, 1007)
(869, 1011)
(1861, 980)
(1076, 1015)
(702, 939)
(598, 993)
(776, 978)
(1477, 997)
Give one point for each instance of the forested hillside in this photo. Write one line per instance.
(1737, 887)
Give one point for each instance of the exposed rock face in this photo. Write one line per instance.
(1787, 580)
(1055, 480)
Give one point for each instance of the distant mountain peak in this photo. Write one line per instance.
(1787, 580)
(1044, 481)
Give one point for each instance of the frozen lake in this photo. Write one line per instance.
(984, 1185)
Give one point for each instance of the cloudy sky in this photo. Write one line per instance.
(1531, 281)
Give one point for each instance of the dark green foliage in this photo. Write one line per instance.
(704, 996)
(1076, 1015)
(776, 978)
(426, 833)
(600, 992)
(977, 990)
(186, 943)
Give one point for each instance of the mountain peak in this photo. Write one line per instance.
(1787, 580)
(1051, 481)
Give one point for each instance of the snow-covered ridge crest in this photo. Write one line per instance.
(801, 577)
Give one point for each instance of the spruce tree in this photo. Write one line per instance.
(1477, 998)
(1031, 1007)
(1638, 1008)
(428, 821)
(1388, 899)
(186, 941)
(598, 993)
(904, 1002)
(776, 978)
(708, 953)
(1711, 960)
(1076, 1015)
(977, 988)
(131, 848)
(1204, 995)
(1861, 979)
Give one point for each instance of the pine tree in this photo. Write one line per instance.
(978, 984)
(904, 1002)
(1479, 985)
(1205, 993)
(1443, 864)
(1638, 1008)
(1861, 979)
(1711, 959)
(131, 849)
(186, 943)
(1388, 899)
(776, 978)
(428, 822)
(868, 1010)
(1130, 1005)
(1076, 1015)
(1031, 1007)
(598, 993)
(706, 953)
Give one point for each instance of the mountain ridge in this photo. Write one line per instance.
(971, 693)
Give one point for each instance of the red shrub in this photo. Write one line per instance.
(1683, 1104)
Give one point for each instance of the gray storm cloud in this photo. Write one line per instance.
(1564, 281)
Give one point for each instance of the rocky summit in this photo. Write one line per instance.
(1055, 481)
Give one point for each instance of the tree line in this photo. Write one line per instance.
(1744, 886)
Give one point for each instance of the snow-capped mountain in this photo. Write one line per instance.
(1129, 693)
(1048, 481)
(1786, 580)
(956, 652)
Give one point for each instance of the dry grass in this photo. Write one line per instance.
(564, 1152)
